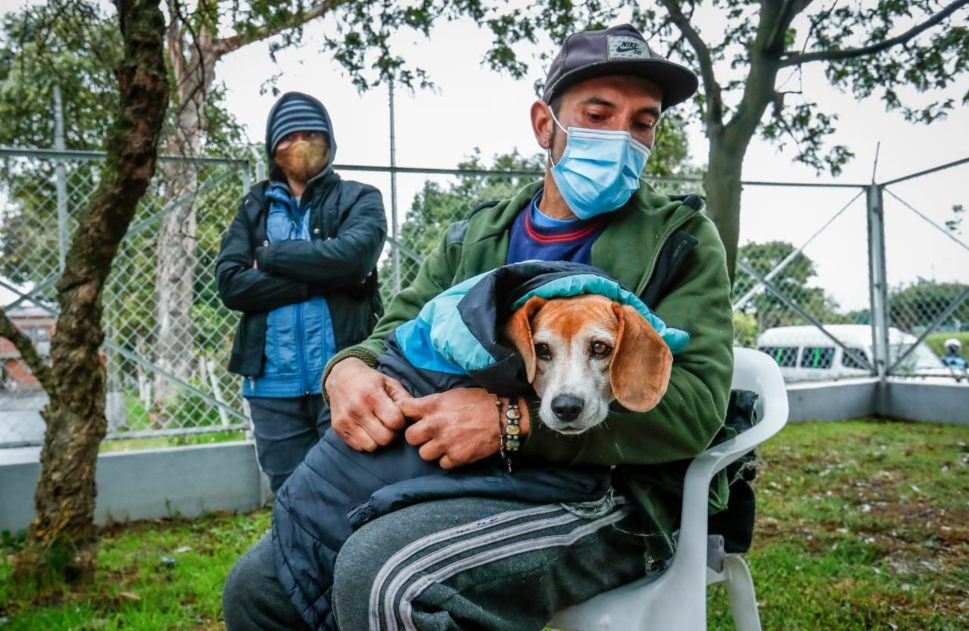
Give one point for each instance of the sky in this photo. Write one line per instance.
(474, 107)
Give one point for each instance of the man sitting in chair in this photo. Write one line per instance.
(490, 563)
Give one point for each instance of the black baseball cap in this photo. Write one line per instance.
(617, 50)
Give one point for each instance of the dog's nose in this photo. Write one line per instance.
(567, 407)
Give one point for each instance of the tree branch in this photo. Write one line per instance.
(849, 53)
(788, 11)
(234, 42)
(816, 21)
(705, 59)
(27, 350)
(174, 36)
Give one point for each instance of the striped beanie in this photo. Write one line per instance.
(295, 111)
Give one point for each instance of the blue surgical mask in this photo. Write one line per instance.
(599, 169)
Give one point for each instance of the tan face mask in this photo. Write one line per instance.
(303, 159)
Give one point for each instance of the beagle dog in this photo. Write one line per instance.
(583, 352)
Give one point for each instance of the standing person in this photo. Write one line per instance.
(495, 563)
(299, 262)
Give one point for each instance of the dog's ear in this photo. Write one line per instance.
(641, 362)
(518, 330)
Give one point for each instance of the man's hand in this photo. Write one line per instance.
(364, 404)
(456, 427)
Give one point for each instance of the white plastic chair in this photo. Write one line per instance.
(676, 601)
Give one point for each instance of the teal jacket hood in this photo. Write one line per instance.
(456, 333)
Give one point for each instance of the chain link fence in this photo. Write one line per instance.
(160, 301)
(781, 304)
(811, 289)
(931, 306)
(866, 284)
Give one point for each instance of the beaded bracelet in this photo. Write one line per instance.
(509, 430)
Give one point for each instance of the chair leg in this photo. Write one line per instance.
(740, 592)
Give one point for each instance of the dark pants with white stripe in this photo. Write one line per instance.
(468, 563)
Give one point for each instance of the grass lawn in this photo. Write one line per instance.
(161, 442)
(862, 525)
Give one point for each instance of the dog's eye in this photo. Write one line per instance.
(542, 351)
(600, 349)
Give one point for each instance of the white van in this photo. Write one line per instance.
(804, 353)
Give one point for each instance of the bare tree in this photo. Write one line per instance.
(62, 539)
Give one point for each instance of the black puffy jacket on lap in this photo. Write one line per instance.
(336, 489)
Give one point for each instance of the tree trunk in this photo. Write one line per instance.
(62, 539)
(177, 241)
(729, 142)
(722, 186)
(174, 282)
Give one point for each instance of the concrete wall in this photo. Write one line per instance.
(832, 401)
(147, 484)
(916, 400)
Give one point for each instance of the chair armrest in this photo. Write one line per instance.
(755, 371)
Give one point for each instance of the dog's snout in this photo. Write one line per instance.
(567, 407)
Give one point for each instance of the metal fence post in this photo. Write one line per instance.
(393, 191)
(257, 157)
(878, 279)
(246, 178)
(60, 171)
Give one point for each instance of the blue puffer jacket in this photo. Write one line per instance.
(453, 343)
(299, 337)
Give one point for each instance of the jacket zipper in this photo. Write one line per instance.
(300, 342)
(659, 249)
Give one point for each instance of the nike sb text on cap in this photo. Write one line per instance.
(616, 50)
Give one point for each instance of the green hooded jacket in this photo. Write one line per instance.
(651, 449)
